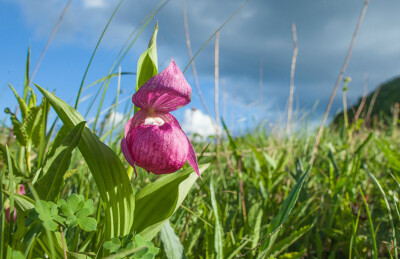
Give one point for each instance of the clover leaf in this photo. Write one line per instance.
(77, 212)
(113, 245)
(48, 214)
(147, 254)
(124, 244)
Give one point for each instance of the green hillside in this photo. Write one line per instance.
(388, 94)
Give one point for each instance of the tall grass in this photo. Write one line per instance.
(260, 195)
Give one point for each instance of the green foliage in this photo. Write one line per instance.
(147, 65)
(77, 211)
(218, 236)
(107, 170)
(254, 200)
(164, 196)
(48, 214)
(171, 244)
(71, 213)
(129, 246)
(49, 185)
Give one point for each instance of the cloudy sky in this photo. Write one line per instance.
(259, 34)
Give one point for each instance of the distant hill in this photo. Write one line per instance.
(388, 94)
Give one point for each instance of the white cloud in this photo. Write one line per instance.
(196, 122)
(94, 3)
(262, 30)
(115, 118)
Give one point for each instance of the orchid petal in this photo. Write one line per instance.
(165, 92)
(127, 154)
(191, 158)
(159, 149)
(152, 146)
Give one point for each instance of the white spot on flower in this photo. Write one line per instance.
(154, 121)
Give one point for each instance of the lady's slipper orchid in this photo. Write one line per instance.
(153, 138)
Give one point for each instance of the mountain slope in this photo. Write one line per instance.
(388, 94)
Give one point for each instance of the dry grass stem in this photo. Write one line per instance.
(293, 67)
(339, 79)
(194, 71)
(216, 89)
(363, 100)
(242, 189)
(371, 105)
(53, 33)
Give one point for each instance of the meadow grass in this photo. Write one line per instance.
(348, 206)
(262, 194)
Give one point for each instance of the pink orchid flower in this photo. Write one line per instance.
(153, 138)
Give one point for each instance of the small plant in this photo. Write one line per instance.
(131, 246)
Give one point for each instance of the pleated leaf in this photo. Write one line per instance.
(107, 169)
(49, 185)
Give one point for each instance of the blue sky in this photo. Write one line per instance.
(261, 32)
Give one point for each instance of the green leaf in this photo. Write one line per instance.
(293, 255)
(30, 126)
(254, 223)
(3, 155)
(44, 138)
(26, 205)
(49, 185)
(394, 241)
(113, 246)
(218, 231)
(157, 201)
(172, 246)
(283, 214)
(26, 81)
(22, 105)
(130, 245)
(32, 98)
(151, 249)
(87, 224)
(48, 214)
(282, 245)
(233, 145)
(16, 128)
(17, 255)
(392, 155)
(77, 211)
(147, 66)
(108, 172)
(364, 143)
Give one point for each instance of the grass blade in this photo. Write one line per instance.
(388, 208)
(371, 225)
(282, 245)
(283, 214)
(353, 236)
(218, 231)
